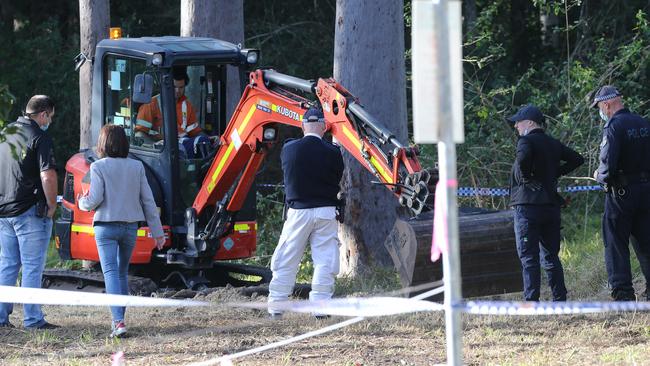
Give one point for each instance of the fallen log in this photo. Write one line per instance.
(489, 261)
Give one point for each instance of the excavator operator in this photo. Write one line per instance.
(193, 142)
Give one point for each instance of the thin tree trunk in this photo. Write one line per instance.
(94, 20)
(469, 13)
(222, 19)
(369, 61)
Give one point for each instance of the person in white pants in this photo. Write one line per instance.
(312, 168)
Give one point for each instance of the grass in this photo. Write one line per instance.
(165, 336)
(582, 255)
(54, 261)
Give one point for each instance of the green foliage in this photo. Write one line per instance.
(560, 86)
(38, 60)
(296, 37)
(54, 261)
(269, 225)
(7, 101)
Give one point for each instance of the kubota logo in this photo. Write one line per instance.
(287, 112)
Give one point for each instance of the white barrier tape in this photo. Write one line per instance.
(23, 295)
(366, 307)
(227, 360)
(550, 308)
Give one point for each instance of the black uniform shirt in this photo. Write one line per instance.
(26, 152)
(625, 148)
(312, 172)
(539, 160)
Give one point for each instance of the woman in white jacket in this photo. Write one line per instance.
(121, 197)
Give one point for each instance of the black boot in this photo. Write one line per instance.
(623, 295)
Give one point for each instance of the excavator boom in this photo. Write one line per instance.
(268, 102)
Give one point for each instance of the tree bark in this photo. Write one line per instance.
(222, 19)
(549, 21)
(469, 14)
(94, 20)
(369, 61)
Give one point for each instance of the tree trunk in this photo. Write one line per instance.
(369, 61)
(222, 19)
(94, 20)
(469, 14)
(549, 21)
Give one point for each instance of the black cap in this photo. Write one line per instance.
(605, 92)
(313, 114)
(528, 112)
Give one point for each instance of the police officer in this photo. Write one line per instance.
(312, 170)
(624, 170)
(533, 193)
(28, 188)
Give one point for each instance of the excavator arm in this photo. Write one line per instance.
(270, 100)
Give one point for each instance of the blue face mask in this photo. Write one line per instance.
(603, 116)
(44, 127)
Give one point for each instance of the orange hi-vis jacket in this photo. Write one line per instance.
(150, 119)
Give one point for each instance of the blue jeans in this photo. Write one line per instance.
(115, 243)
(23, 241)
(537, 231)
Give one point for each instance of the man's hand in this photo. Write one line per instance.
(48, 180)
(50, 210)
(160, 241)
(533, 185)
(596, 174)
(214, 140)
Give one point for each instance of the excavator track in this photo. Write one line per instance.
(92, 281)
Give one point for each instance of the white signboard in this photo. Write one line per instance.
(429, 73)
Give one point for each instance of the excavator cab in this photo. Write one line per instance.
(134, 88)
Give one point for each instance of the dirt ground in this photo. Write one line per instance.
(178, 336)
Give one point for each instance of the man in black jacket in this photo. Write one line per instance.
(312, 169)
(624, 170)
(533, 194)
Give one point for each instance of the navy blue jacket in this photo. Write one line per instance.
(538, 166)
(625, 148)
(312, 172)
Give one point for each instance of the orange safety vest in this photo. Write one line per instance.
(150, 119)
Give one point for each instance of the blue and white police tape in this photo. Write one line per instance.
(550, 308)
(24, 295)
(476, 191)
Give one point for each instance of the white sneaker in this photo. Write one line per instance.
(119, 330)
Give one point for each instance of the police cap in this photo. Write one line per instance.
(605, 92)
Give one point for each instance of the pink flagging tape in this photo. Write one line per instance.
(440, 237)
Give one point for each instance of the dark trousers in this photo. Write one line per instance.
(537, 231)
(627, 213)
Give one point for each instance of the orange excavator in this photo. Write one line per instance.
(207, 204)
